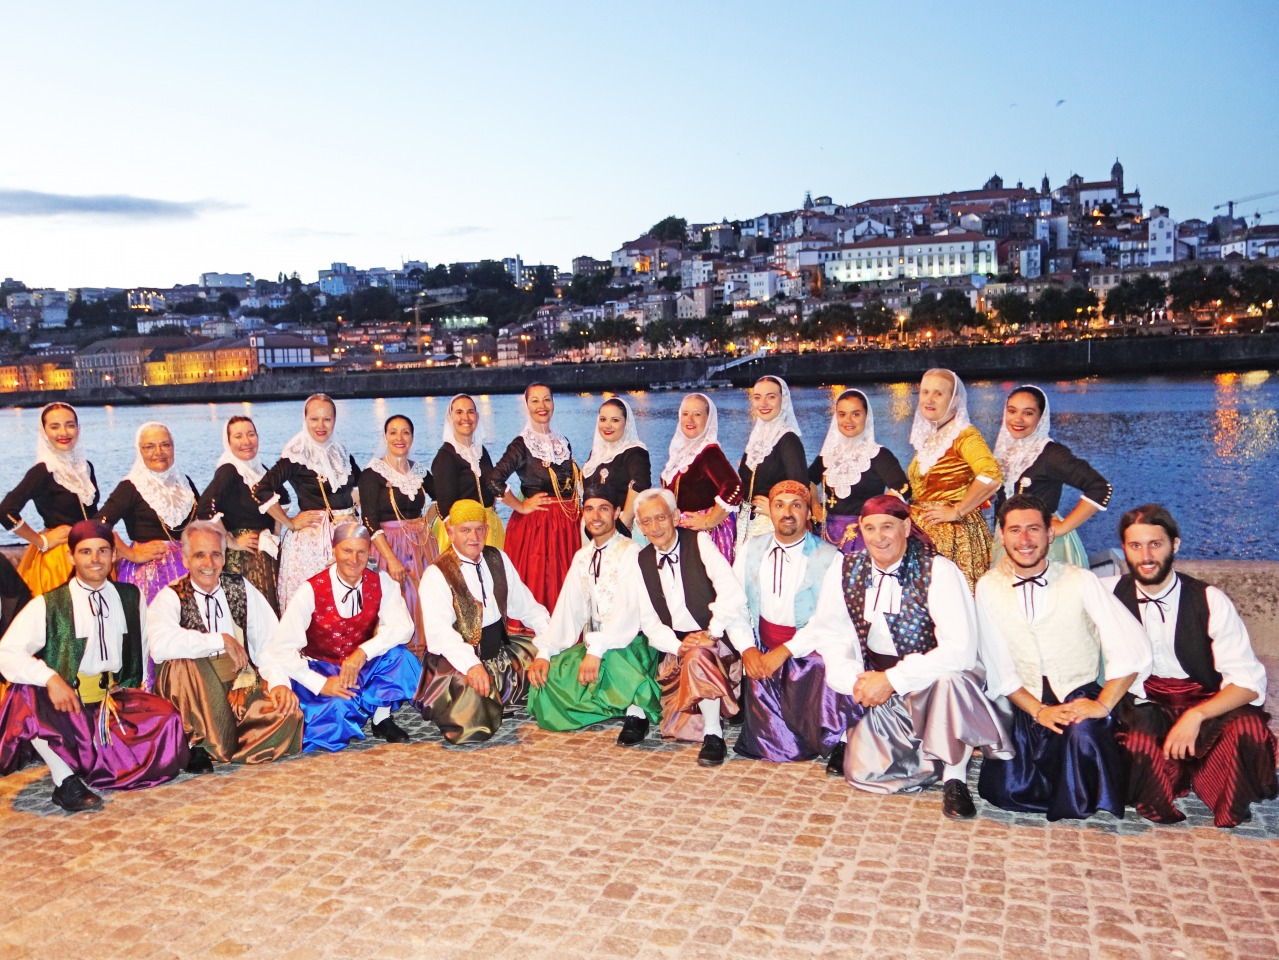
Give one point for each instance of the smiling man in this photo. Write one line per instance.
(208, 632)
(1203, 725)
(613, 671)
(74, 660)
(1048, 631)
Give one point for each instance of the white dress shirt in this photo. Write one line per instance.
(607, 609)
(26, 635)
(781, 571)
(441, 637)
(1232, 651)
(728, 610)
(167, 639)
(832, 634)
(284, 653)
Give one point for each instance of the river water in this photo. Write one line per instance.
(1205, 446)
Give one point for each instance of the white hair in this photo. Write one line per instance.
(657, 493)
(204, 526)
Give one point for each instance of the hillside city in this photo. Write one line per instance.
(999, 263)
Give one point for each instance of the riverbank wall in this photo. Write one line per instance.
(1055, 359)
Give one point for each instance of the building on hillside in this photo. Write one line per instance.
(122, 362)
(951, 255)
(226, 281)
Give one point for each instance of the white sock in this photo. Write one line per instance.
(710, 717)
(58, 768)
(843, 737)
(381, 713)
(634, 711)
(958, 771)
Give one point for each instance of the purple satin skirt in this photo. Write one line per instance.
(843, 533)
(144, 747)
(154, 575)
(793, 715)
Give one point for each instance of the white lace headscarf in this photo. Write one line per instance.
(250, 471)
(70, 470)
(328, 459)
(1015, 455)
(471, 452)
(766, 433)
(931, 442)
(167, 493)
(409, 483)
(605, 451)
(549, 447)
(684, 450)
(845, 459)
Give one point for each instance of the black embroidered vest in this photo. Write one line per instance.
(236, 597)
(1191, 642)
(699, 592)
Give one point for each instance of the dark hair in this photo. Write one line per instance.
(537, 383)
(1024, 501)
(613, 401)
(59, 405)
(771, 379)
(462, 396)
(1154, 514)
(325, 398)
(398, 416)
(1036, 394)
(239, 418)
(854, 392)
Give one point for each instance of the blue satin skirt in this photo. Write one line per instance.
(1067, 776)
(330, 723)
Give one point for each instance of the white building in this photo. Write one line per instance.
(226, 281)
(1161, 237)
(763, 284)
(951, 255)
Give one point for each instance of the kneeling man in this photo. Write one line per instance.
(474, 668)
(1202, 725)
(613, 672)
(74, 661)
(896, 627)
(1045, 629)
(207, 632)
(342, 642)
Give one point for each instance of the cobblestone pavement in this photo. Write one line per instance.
(543, 845)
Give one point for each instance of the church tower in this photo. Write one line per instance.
(1117, 175)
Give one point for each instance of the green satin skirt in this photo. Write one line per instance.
(627, 676)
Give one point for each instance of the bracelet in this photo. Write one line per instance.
(44, 543)
(1042, 707)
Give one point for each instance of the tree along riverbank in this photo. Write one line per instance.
(1053, 359)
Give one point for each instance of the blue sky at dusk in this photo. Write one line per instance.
(148, 143)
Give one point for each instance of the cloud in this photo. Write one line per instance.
(463, 231)
(308, 233)
(31, 203)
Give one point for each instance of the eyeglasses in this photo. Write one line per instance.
(654, 520)
(153, 447)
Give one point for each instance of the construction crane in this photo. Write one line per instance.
(1230, 204)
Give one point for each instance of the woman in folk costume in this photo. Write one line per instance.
(544, 531)
(156, 501)
(773, 453)
(64, 490)
(619, 461)
(1034, 463)
(952, 475)
(252, 548)
(851, 468)
(460, 468)
(394, 493)
(707, 489)
(323, 476)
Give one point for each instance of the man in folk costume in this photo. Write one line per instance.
(475, 669)
(613, 672)
(1047, 628)
(74, 658)
(207, 632)
(791, 714)
(342, 643)
(691, 601)
(1202, 724)
(896, 627)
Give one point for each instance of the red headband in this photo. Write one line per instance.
(885, 504)
(793, 488)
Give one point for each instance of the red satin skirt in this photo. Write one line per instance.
(541, 547)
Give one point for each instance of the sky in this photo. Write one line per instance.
(147, 143)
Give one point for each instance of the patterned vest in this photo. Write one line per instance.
(1191, 642)
(912, 626)
(189, 617)
(699, 592)
(331, 636)
(63, 650)
(468, 612)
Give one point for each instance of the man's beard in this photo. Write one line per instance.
(1160, 575)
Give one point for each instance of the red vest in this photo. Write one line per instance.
(331, 636)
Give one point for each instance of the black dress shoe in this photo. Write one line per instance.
(956, 801)
(713, 751)
(737, 719)
(835, 765)
(74, 797)
(391, 732)
(634, 730)
(200, 761)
